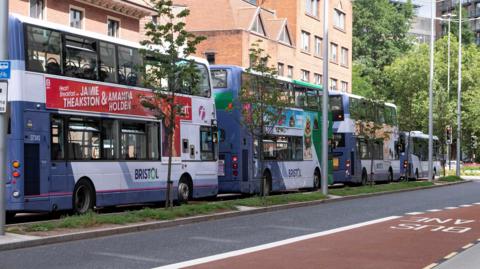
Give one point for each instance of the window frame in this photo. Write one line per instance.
(305, 47)
(82, 20)
(42, 13)
(119, 23)
(344, 57)
(333, 53)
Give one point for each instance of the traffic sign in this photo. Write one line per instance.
(3, 96)
(5, 68)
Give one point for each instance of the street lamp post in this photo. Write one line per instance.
(3, 117)
(459, 91)
(325, 101)
(430, 95)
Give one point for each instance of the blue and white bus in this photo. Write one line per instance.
(414, 155)
(352, 154)
(292, 151)
(79, 135)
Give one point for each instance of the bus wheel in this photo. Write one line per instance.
(434, 173)
(364, 177)
(416, 175)
(9, 216)
(390, 176)
(83, 197)
(316, 180)
(267, 188)
(184, 192)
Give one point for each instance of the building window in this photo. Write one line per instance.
(113, 27)
(285, 36)
(305, 75)
(257, 26)
(76, 18)
(311, 7)
(210, 57)
(281, 68)
(344, 86)
(36, 9)
(305, 41)
(290, 71)
(333, 84)
(344, 57)
(339, 19)
(317, 78)
(333, 52)
(318, 46)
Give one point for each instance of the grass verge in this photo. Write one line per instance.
(93, 219)
(347, 191)
(450, 179)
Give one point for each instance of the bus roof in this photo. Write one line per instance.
(357, 97)
(419, 134)
(243, 69)
(80, 32)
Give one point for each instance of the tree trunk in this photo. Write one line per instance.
(371, 141)
(170, 130)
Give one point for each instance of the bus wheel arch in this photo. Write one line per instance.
(390, 175)
(364, 180)
(84, 196)
(317, 179)
(417, 176)
(185, 189)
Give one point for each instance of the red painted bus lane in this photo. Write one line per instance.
(411, 241)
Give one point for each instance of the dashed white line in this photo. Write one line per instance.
(468, 246)
(451, 207)
(215, 240)
(303, 229)
(450, 255)
(128, 257)
(465, 205)
(434, 210)
(430, 266)
(476, 203)
(272, 245)
(414, 213)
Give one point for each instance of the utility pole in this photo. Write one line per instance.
(448, 80)
(430, 95)
(3, 116)
(325, 100)
(459, 92)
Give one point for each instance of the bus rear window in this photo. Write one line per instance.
(219, 78)
(337, 108)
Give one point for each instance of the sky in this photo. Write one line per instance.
(424, 9)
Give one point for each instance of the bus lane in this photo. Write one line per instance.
(416, 240)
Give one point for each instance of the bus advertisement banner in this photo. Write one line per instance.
(89, 97)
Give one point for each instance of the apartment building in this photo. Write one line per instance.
(290, 31)
(116, 18)
(472, 7)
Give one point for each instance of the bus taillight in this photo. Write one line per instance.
(235, 165)
(235, 173)
(16, 164)
(347, 164)
(405, 164)
(16, 174)
(234, 159)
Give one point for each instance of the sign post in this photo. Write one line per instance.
(4, 75)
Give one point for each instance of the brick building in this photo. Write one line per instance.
(291, 32)
(117, 18)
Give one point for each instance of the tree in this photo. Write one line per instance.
(262, 105)
(167, 45)
(362, 84)
(408, 89)
(380, 34)
(468, 36)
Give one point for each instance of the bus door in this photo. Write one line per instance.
(59, 168)
(35, 152)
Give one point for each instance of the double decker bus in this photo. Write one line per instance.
(352, 154)
(292, 151)
(414, 155)
(79, 135)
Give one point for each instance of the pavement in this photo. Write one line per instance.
(164, 247)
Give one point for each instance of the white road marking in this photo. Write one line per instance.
(476, 203)
(465, 205)
(215, 240)
(434, 210)
(414, 213)
(450, 255)
(292, 228)
(451, 207)
(128, 257)
(468, 246)
(430, 266)
(272, 245)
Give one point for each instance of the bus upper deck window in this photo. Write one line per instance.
(337, 108)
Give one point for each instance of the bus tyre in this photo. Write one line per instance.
(83, 197)
(390, 176)
(9, 216)
(316, 180)
(417, 177)
(434, 173)
(364, 177)
(184, 191)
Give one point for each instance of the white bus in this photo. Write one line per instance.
(79, 136)
(414, 155)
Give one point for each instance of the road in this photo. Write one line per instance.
(363, 233)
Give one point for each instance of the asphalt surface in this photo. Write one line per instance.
(165, 246)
